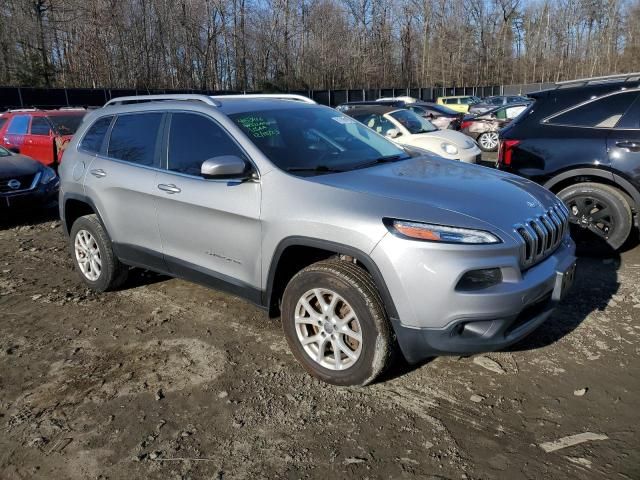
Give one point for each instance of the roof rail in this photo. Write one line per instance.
(621, 77)
(153, 98)
(27, 109)
(277, 96)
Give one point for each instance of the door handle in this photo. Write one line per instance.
(629, 146)
(98, 173)
(169, 188)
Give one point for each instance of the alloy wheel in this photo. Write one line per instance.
(489, 140)
(88, 255)
(591, 214)
(328, 329)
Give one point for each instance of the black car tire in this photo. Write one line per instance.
(585, 201)
(113, 272)
(357, 288)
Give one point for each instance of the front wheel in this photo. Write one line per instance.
(488, 141)
(599, 215)
(335, 323)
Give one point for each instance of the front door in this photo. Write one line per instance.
(210, 229)
(17, 129)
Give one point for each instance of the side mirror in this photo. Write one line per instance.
(393, 133)
(224, 166)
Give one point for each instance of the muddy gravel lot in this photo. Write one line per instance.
(165, 379)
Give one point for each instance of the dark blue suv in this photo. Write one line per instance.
(581, 140)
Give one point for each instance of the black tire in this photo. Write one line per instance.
(484, 149)
(357, 288)
(600, 218)
(113, 273)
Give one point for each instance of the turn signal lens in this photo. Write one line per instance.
(440, 233)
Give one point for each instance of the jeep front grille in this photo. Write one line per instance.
(542, 234)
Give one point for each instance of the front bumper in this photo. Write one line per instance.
(436, 319)
(471, 155)
(39, 197)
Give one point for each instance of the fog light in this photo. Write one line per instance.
(479, 279)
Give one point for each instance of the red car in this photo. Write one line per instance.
(39, 134)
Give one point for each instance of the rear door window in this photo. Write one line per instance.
(605, 112)
(92, 141)
(193, 139)
(19, 125)
(134, 138)
(40, 126)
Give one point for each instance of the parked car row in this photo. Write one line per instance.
(481, 123)
(32, 143)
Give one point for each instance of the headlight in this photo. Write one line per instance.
(439, 233)
(449, 148)
(48, 175)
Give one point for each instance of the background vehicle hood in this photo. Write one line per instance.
(458, 139)
(429, 189)
(18, 165)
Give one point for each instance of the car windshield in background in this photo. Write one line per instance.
(4, 152)
(65, 124)
(470, 100)
(412, 122)
(314, 140)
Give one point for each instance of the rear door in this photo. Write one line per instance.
(623, 144)
(210, 229)
(121, 181)
(38, 143)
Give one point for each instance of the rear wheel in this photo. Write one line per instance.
(93, 255)
(488, 141)
(600, 217)
(335, 323)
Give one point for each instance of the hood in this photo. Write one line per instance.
(458, 139)
(437, 187)
(17, 166)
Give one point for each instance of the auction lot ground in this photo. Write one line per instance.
(165, 379)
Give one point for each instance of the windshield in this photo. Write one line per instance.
(4, 152)
(314, 139)
(66, 124)
(412, 122)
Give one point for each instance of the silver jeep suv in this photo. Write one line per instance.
(359, 246)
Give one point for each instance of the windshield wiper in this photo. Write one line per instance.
(385, 159)
(317, 168)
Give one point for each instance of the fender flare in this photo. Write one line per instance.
(594, 172)
(359, 255)
(80, 198)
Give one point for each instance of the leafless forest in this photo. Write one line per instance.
(313, 44)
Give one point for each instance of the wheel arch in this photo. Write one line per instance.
(75, 206)
(583, 175)
(295, 253)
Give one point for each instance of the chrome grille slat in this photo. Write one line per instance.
(542, 234)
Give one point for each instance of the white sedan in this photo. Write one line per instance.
(406, 128)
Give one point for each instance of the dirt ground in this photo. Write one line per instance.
(165, 379)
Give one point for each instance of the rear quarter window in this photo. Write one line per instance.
(604, 112)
